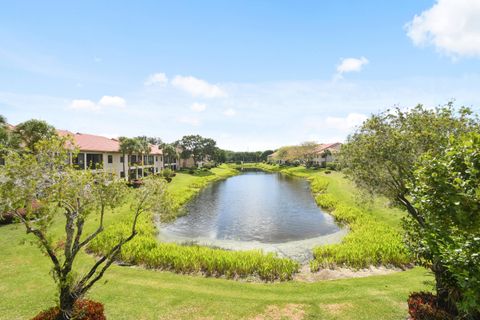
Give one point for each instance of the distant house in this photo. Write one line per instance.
(275, 158)
(323, 153)
(326, 153)
(101, 151)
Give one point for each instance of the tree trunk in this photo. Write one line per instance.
(67, 301)
(124, 172)
(129, 156)
(443, 288)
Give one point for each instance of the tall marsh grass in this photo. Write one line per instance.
(145, 250)
(369, 242)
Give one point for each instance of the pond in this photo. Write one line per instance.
(254, 210)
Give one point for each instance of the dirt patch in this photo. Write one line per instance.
(336, 309)
(290, 311)
(305, 275)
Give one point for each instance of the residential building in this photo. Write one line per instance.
(97, 151)
(326, 153)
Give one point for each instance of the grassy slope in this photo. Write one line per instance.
(135, 293)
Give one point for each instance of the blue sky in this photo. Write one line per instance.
(250, 74)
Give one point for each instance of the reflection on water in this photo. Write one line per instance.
(269, 208)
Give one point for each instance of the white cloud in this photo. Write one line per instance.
(105, 102)
(345, 123)
(112, 101)
(198, 107)
(452, 26)
(230, 112)
(156, 79)
(351, 65)
(198, 87)
(82, 104)
(189, 120)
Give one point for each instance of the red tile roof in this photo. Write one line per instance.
(324, 146)
(90, 142)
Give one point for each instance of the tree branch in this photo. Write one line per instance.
(43, 241)
(411, 209)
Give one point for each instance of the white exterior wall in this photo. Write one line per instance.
(116, 166)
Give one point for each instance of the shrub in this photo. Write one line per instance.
(10, 217)
(331, 166)
(328, 171)
(136, 183)
(423, 306)
(83, 310)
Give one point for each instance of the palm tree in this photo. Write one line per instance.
(128, 146)
(144, 149)
(325, 155)
(3, 131)
(169, 153)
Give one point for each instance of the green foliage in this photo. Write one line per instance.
(147, 251)
(385, 156)
(197, 147)
(446, 190)
(381, 154)
(28, 133)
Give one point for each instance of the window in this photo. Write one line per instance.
(121, 159)
(122, 174)
(156, 158)
(150, 160)
(79, 161)
(110, 158)
(2, 161)
(94, 160)
(133, 159)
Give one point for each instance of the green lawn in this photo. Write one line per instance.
(135, 293)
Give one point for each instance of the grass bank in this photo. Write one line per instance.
(136, 293)
(26, 286)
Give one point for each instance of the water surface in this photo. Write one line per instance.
(254, 206)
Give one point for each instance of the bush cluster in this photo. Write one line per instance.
(423, 306)
(83, 310)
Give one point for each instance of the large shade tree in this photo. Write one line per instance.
(27, 134)
(41, 187)
(381, 155)
(197, 147)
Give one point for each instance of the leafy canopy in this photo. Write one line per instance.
(446, 191)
